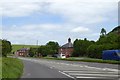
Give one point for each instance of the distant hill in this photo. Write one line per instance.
(16, 47)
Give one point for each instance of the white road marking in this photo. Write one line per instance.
(51, 67)
(28, 74)
(103, 68)
(87, 72)
(93, 74)
(66, 75)
(88, 77)
(110, 69)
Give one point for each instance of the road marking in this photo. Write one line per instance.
(66, 75)
(51, 67)
(103, 68)
(88, 77)
(28, 74)
(93, 74)
(111, 69)
(87, 72)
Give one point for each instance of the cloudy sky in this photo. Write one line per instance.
(26, 21)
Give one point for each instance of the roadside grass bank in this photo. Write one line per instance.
(0, 67)
(85, 60)
(12, 68)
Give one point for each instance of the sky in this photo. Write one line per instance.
(29, 21)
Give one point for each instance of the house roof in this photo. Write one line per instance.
(67, 45)
(23, 49)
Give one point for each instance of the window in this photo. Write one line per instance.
(115, 54)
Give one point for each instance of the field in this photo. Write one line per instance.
(16, 47)
(11, 68)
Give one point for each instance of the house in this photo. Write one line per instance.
(66, 49)
(22, 52)
(111, 55)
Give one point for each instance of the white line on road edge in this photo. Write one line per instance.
(67, 75)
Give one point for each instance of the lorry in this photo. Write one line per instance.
(111, 55)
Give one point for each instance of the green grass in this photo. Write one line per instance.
(12, 68)
(86, 60)
(0, 67)
(16, 47)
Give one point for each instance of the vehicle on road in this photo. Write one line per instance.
(61, 56)
(111, 55)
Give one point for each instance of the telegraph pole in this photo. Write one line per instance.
(37, 43)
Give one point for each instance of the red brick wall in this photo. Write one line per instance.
(21, 53)
(66, 51)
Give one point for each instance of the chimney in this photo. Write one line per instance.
(69, 40)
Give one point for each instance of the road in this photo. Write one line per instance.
(68, 70)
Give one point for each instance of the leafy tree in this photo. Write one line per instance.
(53, 46)
(44, 50)
(6, 47)
(33, 51)
(116, 29)
(95, 51)
(103, 32)
(109, 41)
(76, 48)
(80, 47)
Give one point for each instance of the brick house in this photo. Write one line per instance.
(22, 52)
(66, 49)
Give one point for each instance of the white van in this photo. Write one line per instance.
(61, 56)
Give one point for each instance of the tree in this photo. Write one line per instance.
(44, 50)
(103, 32)
(33, 51)
(80, 47)
(53, 46)
(95, 51)
(6, 47)
(76, 48)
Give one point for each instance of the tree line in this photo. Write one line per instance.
(49, 49)
(94, 49)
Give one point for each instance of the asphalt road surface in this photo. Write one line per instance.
(68, 70)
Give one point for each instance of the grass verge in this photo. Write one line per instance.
(0, 67)
(12, 68)
(86, 60)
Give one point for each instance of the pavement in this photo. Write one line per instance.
(68, 70)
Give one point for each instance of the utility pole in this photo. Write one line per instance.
(37, 43)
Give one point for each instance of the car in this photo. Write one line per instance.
(61, 56)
